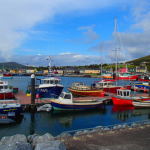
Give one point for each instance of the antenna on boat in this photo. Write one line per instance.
(49, 65)
(101, 66)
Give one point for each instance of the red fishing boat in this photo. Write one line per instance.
(127, 76)
(145, 78)
(107, 86)
(124, 98)
(80, 89)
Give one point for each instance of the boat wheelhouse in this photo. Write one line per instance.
(107, 86)
(49, 88)
(6, 93)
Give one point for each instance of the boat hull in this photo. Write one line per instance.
(16, 110)
(111, 89)
(133, 77)
(96, 93)
(142, 104)
(8, 95)
(49, 92)
(144, 80)
(142, 86)
(60, 106)
(122, 102)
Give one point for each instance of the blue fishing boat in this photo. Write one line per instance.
(10, 113)
(67, 102)
(10, 107)
(49, 88)
(142, 85)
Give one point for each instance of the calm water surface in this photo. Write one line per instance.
(58, 122)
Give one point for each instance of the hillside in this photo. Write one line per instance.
(138, 61)
(11, 65)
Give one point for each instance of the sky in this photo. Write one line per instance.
(73, 32)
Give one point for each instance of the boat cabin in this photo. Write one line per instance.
(123, 92)
(65, 97)
(4, 86)
(80, 86)
(103, 84)
(49, 82)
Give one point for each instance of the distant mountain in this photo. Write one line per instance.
(12, 65)
(138, 61)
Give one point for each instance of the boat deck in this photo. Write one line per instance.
(23, 99)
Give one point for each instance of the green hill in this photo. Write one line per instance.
(11, 65)
(141, 60)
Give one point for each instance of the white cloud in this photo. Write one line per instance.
(57, 60)
(17, 17)
(135, 42)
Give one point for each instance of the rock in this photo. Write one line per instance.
(106, 129)
(9, 140)
(78, 133)
(64, 135)
(115, 147)
(41, 139)
(23, 146)
(51, 145)
(31, 137)
(16, 146)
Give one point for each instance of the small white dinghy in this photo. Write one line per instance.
(45, 107)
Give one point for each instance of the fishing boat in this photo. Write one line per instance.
(10, 113)
(80, 89)
(67, 102)
(124, 98)
(7, 76)
(145, 78)
(142, 85)
(107, 76)
(5, 91)
(10, 110)
(49, 88)
(142, 103)
(107, 86)
(126, 76)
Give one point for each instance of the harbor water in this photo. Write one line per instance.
(57, 122)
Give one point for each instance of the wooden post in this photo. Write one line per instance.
(32, 89)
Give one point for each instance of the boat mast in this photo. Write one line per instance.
(116, 49)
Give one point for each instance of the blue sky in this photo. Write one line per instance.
(73, 32)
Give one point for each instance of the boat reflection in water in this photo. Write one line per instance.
(124, 113)
(67, 119)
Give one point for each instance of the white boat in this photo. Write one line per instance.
(67, 102)
(45, 107)
(141, 103)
